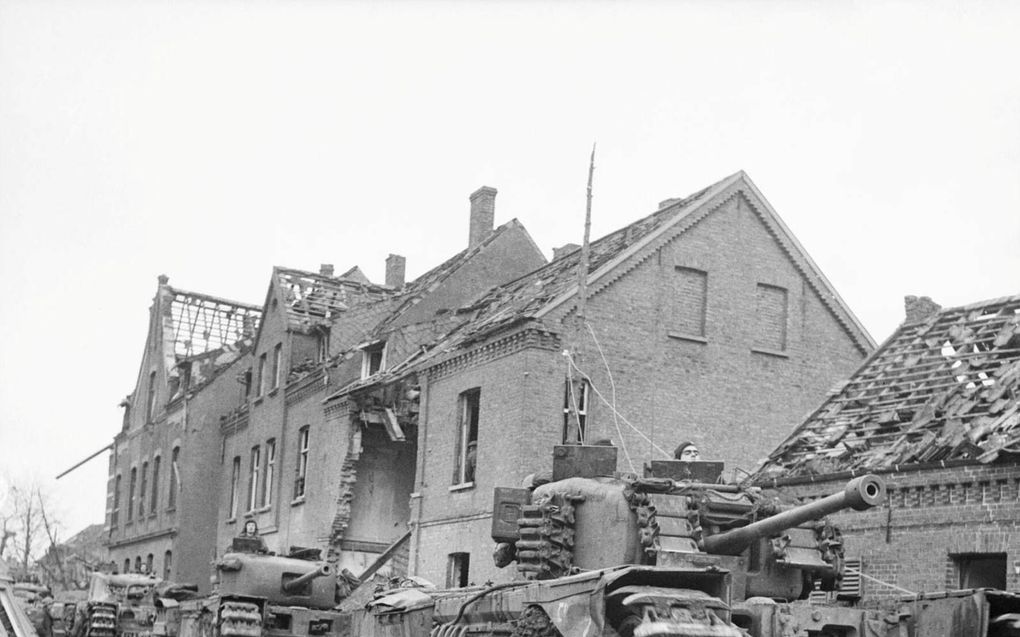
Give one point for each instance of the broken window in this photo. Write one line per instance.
(260, 378)
(467, 437)
(185, 376)
(115, 513)
(143, 489)
(770, 317)
(575, 411)
(690, 301)
(267, 482)
(373, 359)
(457, 568)
(253, 477)
(323, 346)
(155, 484)
(302, 463)
(277, 364)
(981, 570)
(246, 380)
(235, 475)
(167, 563)
(150, 401)
(131, 494)
(175, 479)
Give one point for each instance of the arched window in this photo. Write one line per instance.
(175, 478)
(127, 564)
(138, 563)
(155, 484)
(131, 493)
(148, 563)
(167, 563)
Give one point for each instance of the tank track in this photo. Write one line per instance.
(534, 622)
(240, 619)
(545, 549)
(102, 622)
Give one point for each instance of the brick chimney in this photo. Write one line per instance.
(326, 269)
(919, 308)
(566, 248)
(483, 212)
(395, 271)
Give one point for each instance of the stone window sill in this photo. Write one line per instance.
(298, 500)
(770, 352)
(464, 486)
(231, 520)
(687, 337)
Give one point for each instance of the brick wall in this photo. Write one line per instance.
(930, 517)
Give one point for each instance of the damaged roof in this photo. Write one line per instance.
(940, 389)
(313, 299)
(200, 324)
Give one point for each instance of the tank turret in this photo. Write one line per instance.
(278, 580)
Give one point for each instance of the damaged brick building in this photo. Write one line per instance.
(355, 412)
(935, 411)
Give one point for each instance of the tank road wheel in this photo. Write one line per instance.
(102, 621)
(534, 622)
(240, 619)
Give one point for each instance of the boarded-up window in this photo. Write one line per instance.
(690, 296)
(771, 317)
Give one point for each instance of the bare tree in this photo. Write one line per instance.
(31, 534)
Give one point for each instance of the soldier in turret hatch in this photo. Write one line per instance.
(687, 452)
(249, 540)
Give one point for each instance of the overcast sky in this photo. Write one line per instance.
(212, 140)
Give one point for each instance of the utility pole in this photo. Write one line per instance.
(576, 386)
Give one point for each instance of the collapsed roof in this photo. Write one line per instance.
(313, 300)
(944, 388)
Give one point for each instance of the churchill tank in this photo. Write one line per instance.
(597, 553)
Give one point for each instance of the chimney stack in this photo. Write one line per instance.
(395, 271)
(919, 308)
(566, 248)
(326, 269)
(483, 212)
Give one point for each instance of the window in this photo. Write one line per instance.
(155, 484)
(138, 564)
(175, 479)
(131, 494)
(467, 437)
(260, 379)
(302, 463)
(457, 567)
(150, 401)
(143, 489)
(167, 563)
(253, 477)
(770, 317)
(149, 563)
(277, 364)
(235, 475)
(690, 300)
(115, 513)
(981, 570)
(323, 343)
(246, 380)
(127, 564)
(373, 359)
(267, 482)
(575, 401)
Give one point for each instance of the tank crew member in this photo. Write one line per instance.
(249, 540)
(687, 451)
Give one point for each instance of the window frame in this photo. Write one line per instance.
(143, 489)
(157, 460)
(301, 470)
(235, 476)
(277, 364)
(254, 468)
(260, 379)
(132, 483)
(267, 480)
(469, 403)
(584, 392)
(368, 354)
(175, 479)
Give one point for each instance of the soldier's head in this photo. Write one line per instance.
(251, 528)
(687, 451)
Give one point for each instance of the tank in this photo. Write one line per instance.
(600, 554)
(118, 605)
(259, 594)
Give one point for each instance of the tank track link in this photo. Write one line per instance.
(240, 619)
(102, 622)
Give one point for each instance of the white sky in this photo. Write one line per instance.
(212, 140)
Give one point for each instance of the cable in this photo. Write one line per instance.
(609, 372)
(878, 581)
(608, 404)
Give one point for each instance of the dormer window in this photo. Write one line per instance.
(373, 358)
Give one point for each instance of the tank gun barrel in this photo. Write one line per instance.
(295, 585)
(860, 494)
